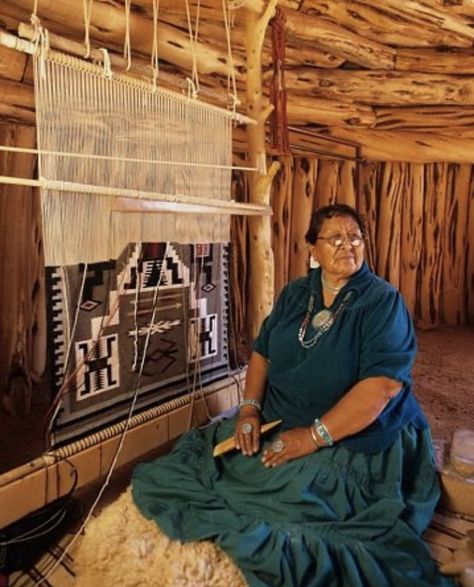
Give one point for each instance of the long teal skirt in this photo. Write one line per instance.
(333, 518)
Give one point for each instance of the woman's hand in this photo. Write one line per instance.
(247, 430)
(289, 445)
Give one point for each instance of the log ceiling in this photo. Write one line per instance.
(396, 77)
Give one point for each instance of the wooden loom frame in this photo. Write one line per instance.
(135, 200)
(45, 479)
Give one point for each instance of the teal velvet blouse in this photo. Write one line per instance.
(372, 336)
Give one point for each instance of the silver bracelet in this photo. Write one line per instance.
(323, 432)
(251, 402)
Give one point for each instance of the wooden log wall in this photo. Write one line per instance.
(23, 315)
(395, 77)
(420, 228)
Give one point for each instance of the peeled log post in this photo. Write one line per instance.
(22, 278)
(281, 205)
(453, 308)
(301, 209)
(411, 233)
(389, 223)
(346, 189)
(431, 256)
(261, 286)
(368, 207)
(326, 182)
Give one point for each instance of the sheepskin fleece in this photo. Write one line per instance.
(122, 548)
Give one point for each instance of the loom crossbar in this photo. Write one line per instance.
(139, 201)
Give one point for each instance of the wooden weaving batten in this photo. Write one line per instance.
(229, 443)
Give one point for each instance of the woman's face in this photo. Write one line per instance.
(343, 260)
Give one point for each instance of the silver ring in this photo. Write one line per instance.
(278, 445)
(247, 428)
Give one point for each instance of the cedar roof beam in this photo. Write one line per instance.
(381, 87)
(414, 147)
(437, 119)
(417, 25)
(457, 61)
(335, 39)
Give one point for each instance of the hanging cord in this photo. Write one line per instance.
(194, 343)
(35, 21)
(232, 338)
(120, 444)
(279, 121)
(87, 6)
(154, 310)
(76, 316)
(48, 525)
(197, 381)
(127, 47)
(155, 64)
(235, 102)
(65, 387)
(104, 485)
(193, 82)
(136, 308)
(72, 334)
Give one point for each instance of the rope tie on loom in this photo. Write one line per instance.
(40, 39)
(235, 102)
(155, 64)
(127, 48)
(87, 5)
(193, 82)
(107, 63)
(135, 309)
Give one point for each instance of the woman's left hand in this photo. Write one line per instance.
(287, 446)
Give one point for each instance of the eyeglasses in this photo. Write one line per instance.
(355, 240)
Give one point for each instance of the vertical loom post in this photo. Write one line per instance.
(261, 290)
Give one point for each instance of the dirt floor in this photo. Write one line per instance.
(444, 385)
(444, 379)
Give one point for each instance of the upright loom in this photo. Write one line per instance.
(135, 185)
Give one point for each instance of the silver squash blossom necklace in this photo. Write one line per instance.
(321, 322)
